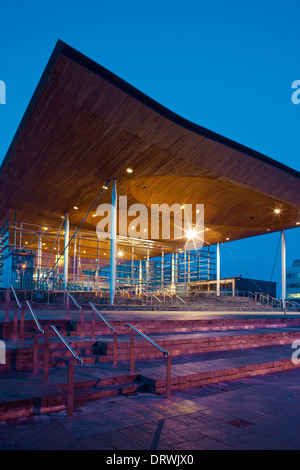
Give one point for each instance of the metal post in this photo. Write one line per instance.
(22, 325)
(218, 269)
(35, 354)
(93, 324)
(132, 365)
(7, 300)
(168, 378)
(70, 397)
(81, 322)
(115, 347)
(113, 243)
(66, 251)
(15, 326)
(283, 271)
(46, 355)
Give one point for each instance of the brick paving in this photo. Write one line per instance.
(268, 407)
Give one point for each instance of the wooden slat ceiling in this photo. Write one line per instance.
(85, 126)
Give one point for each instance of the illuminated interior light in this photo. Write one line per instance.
(277, 211)
(129, 170)
(75, 207)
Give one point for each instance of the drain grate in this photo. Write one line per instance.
(240, 423)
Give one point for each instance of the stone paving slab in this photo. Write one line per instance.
(195, 419)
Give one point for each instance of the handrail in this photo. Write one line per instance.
(115, 346)
(180, 298)
(164, 351)
(153, 295)
(35, 319)
(16, 297)
(72, 298)
(105, 321)
(79, 359)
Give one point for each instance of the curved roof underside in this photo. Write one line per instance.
(85, 126)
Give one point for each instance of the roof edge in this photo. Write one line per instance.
(61, 48)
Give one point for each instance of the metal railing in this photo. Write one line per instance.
(164, 351)
(35, 319)
(70, 387)
(115, 345)
(70, 296)
(16, 297)
(35, 340)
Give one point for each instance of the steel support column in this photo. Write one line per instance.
(113, 243)
(66, 251)
(283, 270)
(218, 269)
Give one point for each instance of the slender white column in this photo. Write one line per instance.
(140, 277)
(283, 267)
(113, 243)
(218, 269)
(173, 275)
(162, 270)
(66, 251)
(39, 258)
(74, 259)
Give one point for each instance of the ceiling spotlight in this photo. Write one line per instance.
(104, 187)
(182, 207)
(227, 238)
(191, 234)
(75, 207)
(129, 170)
(277, 211)
(120, 253)
(94, 215)
(297, 223)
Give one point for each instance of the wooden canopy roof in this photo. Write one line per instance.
(84, 126)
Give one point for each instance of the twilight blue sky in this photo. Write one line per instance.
(225, 65)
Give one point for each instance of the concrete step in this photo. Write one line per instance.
(23, 394)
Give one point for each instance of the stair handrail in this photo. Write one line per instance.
(102, 317)
(35, 319)
(72, 298)
(115, 346)
(79, 359)
(153, 295)
(16, 297)
(180, 298)
(164, 351)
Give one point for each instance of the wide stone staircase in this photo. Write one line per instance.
(203, 351)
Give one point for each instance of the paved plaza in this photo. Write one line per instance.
(254, 413)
